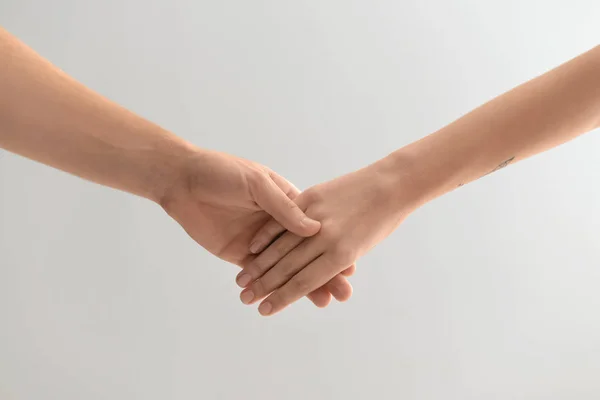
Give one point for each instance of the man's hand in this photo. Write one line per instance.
(356, 211)
(221, 201)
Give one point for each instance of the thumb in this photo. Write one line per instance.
(275, 202)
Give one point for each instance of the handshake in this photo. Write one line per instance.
(289, 244)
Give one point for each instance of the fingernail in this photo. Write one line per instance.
(243, 279)
(247, 296)
(308, 222)
(255, 247)
(265, 308)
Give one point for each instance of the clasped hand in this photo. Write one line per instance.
(289, 244)
(356, 212)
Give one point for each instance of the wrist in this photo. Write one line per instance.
(415, 176)
(168, 172)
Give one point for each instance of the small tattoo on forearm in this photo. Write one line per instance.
(500, 166)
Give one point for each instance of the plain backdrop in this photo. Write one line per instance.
(491, 292)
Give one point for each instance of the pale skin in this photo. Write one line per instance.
(360, 209)
(219, 199)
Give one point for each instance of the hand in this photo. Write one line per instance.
(221, 201)
(356, 211)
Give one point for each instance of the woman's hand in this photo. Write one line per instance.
(356, 212)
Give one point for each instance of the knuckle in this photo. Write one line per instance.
(301, 286)
(288, 270)
(258, 288)
(290, 204)
(343, 253)
(252, 270)
(281, 250)
(256, 268)
(331, 233)
(274, 279)
(311, 196)
(257, 177)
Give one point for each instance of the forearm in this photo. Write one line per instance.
(360, 209)
(536, 116)
(47, 116)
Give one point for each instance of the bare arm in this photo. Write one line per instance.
(220, 200)
(534, 117)
(360, 209)
(47, 116)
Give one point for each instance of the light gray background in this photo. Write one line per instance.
(491, 292)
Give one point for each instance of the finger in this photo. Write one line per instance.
(272, 228)
(288, 187)
(265, 260)
(320, 297)
(339, 287)
(283, 209)
(265, 235)
(283, 271)
(350, 270)
(308, 279)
